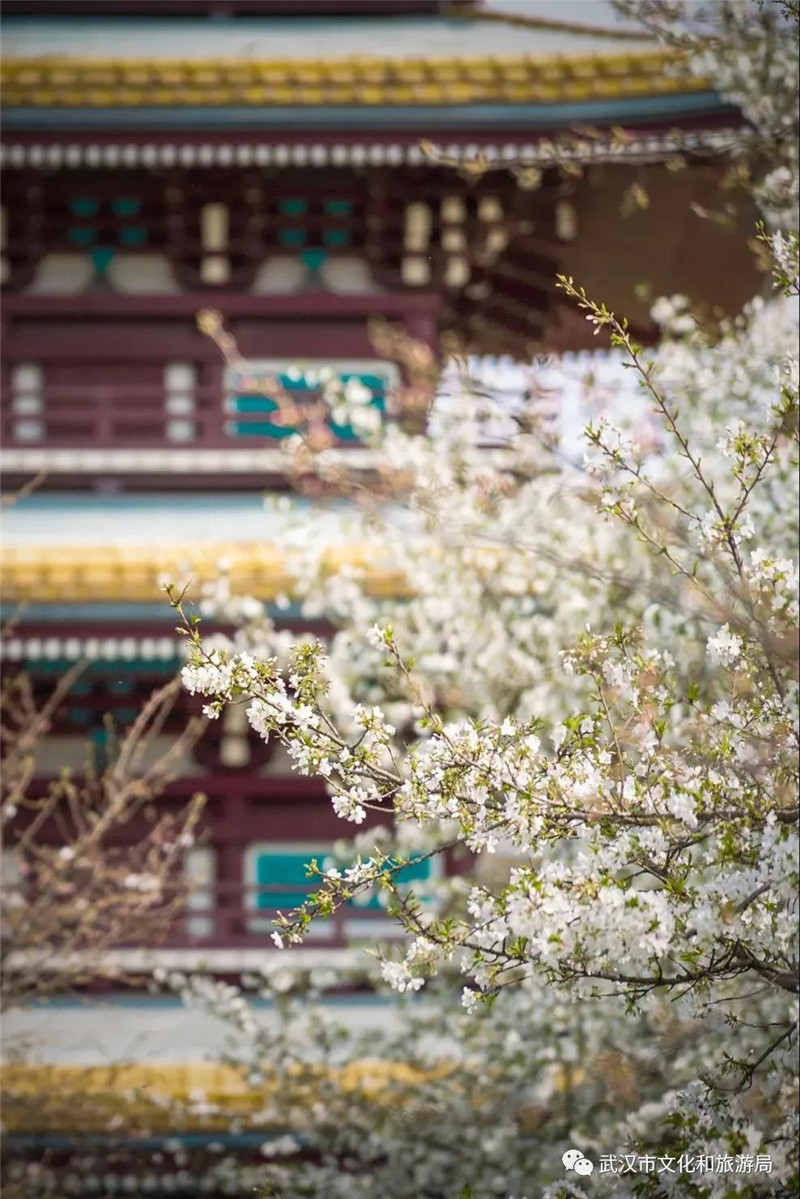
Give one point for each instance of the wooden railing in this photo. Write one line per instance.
(235, 916)
(93, 366)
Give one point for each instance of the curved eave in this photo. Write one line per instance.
(468, 117)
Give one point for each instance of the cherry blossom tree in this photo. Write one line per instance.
(592, 690)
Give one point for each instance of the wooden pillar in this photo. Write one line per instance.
(421, 320)
(230, 839)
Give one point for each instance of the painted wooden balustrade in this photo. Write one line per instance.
(134, 373)
(237, 916)
(205, 911)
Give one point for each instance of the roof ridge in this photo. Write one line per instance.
(64, 60)
(554, 24)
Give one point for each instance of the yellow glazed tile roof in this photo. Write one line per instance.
(522, 79)
(109, 574)
(134, 574)
(60, 1098)
(159, 1098)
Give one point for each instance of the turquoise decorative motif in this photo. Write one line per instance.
(314, 259)
(125, 206)
(292, 207)
(336, 238)
(101, 258)
(292, 237)
(338, 207)
(106, 228)
(81, 235)
(132, 235)
(84, 206)
(418, 870)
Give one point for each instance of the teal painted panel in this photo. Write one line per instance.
(84, 206)
(292, 237)
(336, 238)
(419, 870)
(343, 432)
(281, 870)
(259, 429)
(299, 386)
(129, 666)
(338, 207)
(101, 258)
(292, 207)
(246, 404)
(132, 235)
(125, 206)
(313, 258)
(251, 403)
(289, 870)
(455, 116)
(81, 236)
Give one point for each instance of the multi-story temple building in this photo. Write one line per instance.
(303, 168)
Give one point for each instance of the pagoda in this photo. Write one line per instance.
(303, 168)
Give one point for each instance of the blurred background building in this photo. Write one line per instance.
(303, 167)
